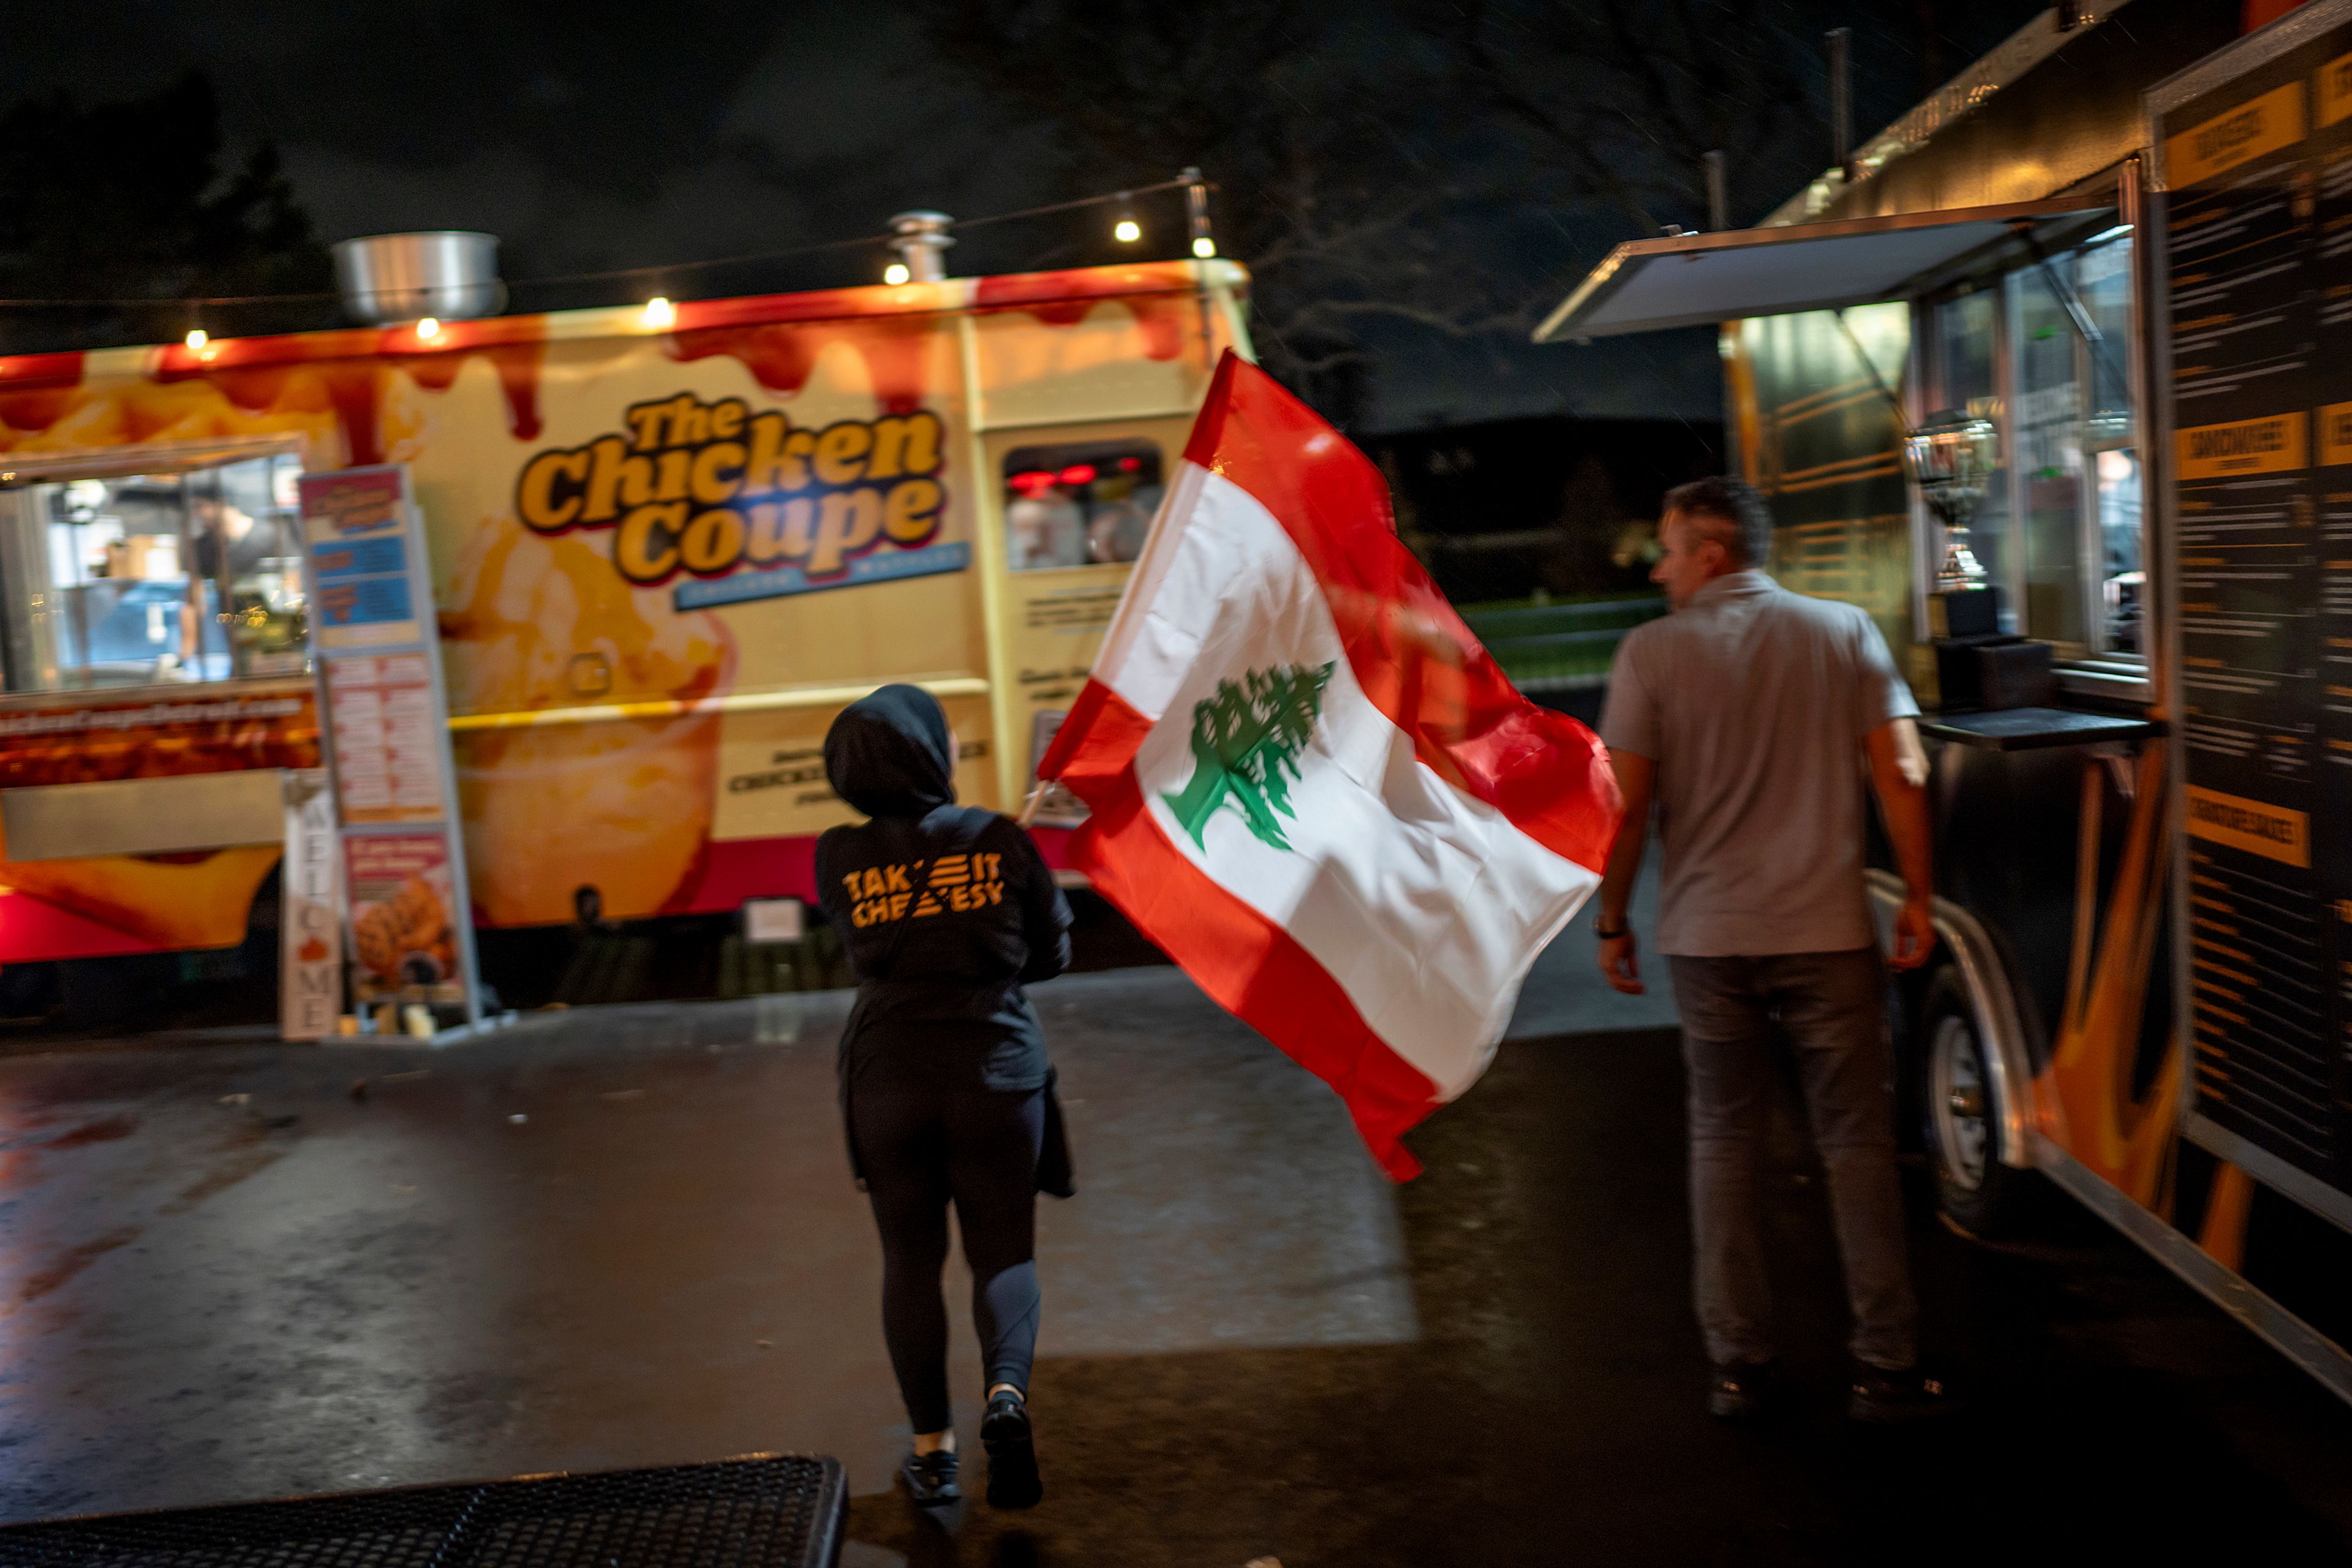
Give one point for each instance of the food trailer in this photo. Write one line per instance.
(667, 545)
(2119, 248)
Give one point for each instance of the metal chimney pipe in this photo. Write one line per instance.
(1196, 213)
(451, 275)
(1839, 42)
(1719, 194)
(921, 240)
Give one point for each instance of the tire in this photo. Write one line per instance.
(1960, 1116)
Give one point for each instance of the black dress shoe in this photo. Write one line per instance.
(930, 1479)
(1013, 1480)
(1742, 1390)
(1884, 1398)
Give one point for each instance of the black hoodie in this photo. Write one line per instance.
(946, 910)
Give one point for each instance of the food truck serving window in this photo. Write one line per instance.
(2059, 529)
(135, 579)
(1079, 503)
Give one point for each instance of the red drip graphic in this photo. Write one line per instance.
(1162, 314)
(781, 356)
(34, 389)
(517, 365)
(255, 373)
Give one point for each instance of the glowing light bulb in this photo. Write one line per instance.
(660, 313)
(199, 339)
(428, 328)
(1205, 247)
(895, 273)
(1127, 231)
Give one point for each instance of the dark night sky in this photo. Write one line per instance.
(593, 136)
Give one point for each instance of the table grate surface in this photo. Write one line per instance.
(765, 1511)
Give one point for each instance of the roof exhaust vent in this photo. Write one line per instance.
(921, 240)
(450, 275)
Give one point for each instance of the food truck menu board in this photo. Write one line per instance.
(389, 736)
(2256, 258)
(377, 652)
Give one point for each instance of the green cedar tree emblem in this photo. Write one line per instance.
(1245, 746)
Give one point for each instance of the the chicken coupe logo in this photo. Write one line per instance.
(704, 488)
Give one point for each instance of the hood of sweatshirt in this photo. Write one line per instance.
(890, 754)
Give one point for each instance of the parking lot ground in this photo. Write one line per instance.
(231, 1270)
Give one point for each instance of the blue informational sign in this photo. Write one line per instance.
(362, 549)
(336, 559)
(778, 582)
(366, 601)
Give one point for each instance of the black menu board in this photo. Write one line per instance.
(2256, 270)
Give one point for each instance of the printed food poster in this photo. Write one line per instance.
(404, 942)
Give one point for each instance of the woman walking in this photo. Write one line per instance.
(946, 912)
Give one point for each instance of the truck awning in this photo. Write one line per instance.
(1698, 280)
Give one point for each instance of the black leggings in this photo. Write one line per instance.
(921, 1148)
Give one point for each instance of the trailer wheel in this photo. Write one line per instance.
(1961, 1115)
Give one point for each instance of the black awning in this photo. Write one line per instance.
(1698, 279)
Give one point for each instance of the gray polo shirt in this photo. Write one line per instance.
(1753, 702)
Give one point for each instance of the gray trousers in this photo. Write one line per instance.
(1830, 1005)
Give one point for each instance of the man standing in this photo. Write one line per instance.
(1747, 716)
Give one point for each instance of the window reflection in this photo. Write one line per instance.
(2047, 448)
(2059, 531)
(2123, 580)
(135, 579)
(2103, 278)
(1967, 338)
(1079, 503)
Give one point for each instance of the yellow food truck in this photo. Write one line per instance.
(668, 544)
(2100, 277)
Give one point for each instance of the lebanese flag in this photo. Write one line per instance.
(1310, 785)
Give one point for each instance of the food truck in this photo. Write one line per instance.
(2118, 250)
(666, 544)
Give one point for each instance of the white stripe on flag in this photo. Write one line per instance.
(1425, 904)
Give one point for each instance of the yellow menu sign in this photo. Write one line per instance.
(2243, 134)
(2332, 85)
(2272, 831)
(2270, 445)
(2335, 429)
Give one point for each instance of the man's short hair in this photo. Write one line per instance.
(1731, 512)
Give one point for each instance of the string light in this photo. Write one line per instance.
(428, 328)
(1127, 231)
(1205, 247)
(1190, 180)
(895, 273)
(660, 313)
(197, 339)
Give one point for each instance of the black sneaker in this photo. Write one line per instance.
(1884, 1398)
(1012, 1479)
(1742, 1390)
(930, 1479)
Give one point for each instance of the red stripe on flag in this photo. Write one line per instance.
(1412, 654)
(1251, 966)
(1098, 739)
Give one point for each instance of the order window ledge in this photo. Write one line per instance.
(2033, 728)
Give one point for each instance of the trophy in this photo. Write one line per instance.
(1951, 456)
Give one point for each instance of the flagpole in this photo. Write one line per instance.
(1029, 807)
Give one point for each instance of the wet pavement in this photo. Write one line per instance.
(626, 1236)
